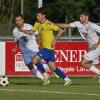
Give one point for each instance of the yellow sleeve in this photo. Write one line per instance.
(53, 26)
(35, 27)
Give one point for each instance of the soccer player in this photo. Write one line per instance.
(88, 31)
(29, 48)
(47, 40)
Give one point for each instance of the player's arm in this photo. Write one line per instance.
(70, 25)
(39, 41)
(60, 32)
(55, 27)
(15, 46)
(64, 25)
(97, 29)
(15, 40)
(30, 32)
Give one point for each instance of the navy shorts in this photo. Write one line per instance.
(47, 55)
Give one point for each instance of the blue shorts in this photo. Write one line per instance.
(47, 55)
(28, 55)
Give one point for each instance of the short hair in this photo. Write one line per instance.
(19, 14)
(41, 10)
(86, 13)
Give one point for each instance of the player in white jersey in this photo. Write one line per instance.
(88, 31)
(29, 47)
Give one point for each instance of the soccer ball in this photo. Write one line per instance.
(4, 80)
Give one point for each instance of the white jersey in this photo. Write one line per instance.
(88, 31)
(31, 43)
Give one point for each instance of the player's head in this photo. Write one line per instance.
(19, 20)
(41, 14)
(84, 16)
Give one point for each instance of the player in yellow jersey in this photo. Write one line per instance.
(47, 40)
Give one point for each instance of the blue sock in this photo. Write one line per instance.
(40, 66)
(59, 73)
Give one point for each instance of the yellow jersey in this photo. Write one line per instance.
(46, 30)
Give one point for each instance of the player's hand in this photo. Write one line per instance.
(95, 45)
(21, 30)
(63, 26)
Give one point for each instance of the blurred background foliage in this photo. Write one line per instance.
(57, 11)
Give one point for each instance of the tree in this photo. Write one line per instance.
(8, 8)
(57, 10)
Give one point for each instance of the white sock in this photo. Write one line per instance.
(45, 74)
(66, 78)
(95, 70)
(37, 73)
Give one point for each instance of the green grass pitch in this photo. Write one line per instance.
(28, 88)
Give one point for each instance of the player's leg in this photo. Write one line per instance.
(27, 60)
(35, 71)
(92, 67)
(46, 67)
(59, 73)
(89, 59)
(48, 56)
(88, 65)
(36, 61)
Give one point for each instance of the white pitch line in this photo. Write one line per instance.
(51, 92)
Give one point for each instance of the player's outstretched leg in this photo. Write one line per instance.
(67, 81)
(86, 64)
(46, 67)
(46, 80)
(34, 71)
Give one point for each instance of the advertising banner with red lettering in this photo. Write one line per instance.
(68, 56)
